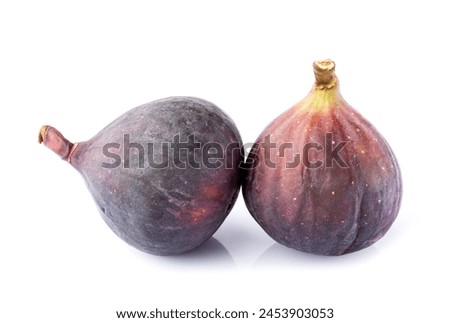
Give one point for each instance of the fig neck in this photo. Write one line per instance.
(56, 142)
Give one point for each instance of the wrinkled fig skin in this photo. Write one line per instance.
(323, 210)
(170, 210)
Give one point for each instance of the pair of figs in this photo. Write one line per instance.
(165, 175)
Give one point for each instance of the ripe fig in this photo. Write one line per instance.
(320, 178)
(164, 175)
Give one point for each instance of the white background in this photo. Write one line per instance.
(78, 65)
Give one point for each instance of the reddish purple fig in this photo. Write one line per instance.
(164, 175)
(321, 178)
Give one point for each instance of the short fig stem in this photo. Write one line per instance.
(56, 142)
(324, 73)
(42, 134)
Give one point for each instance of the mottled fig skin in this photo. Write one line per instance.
(328, 209)
(161, 210)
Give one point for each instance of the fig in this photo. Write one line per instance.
(320, 178)
(164, 175)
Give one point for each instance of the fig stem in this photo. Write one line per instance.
(42, 134)
(324, 74)
(56, 142)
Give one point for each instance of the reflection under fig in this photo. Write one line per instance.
(278, 255)
(212, 253)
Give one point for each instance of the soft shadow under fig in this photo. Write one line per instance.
(279, 256)
(211, 253)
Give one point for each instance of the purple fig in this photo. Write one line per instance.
(164, 175)
(320, 178)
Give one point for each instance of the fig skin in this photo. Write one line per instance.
(159, 210)
(323, 205)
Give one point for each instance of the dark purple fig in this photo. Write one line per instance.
(320, 178)
(164, 175)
